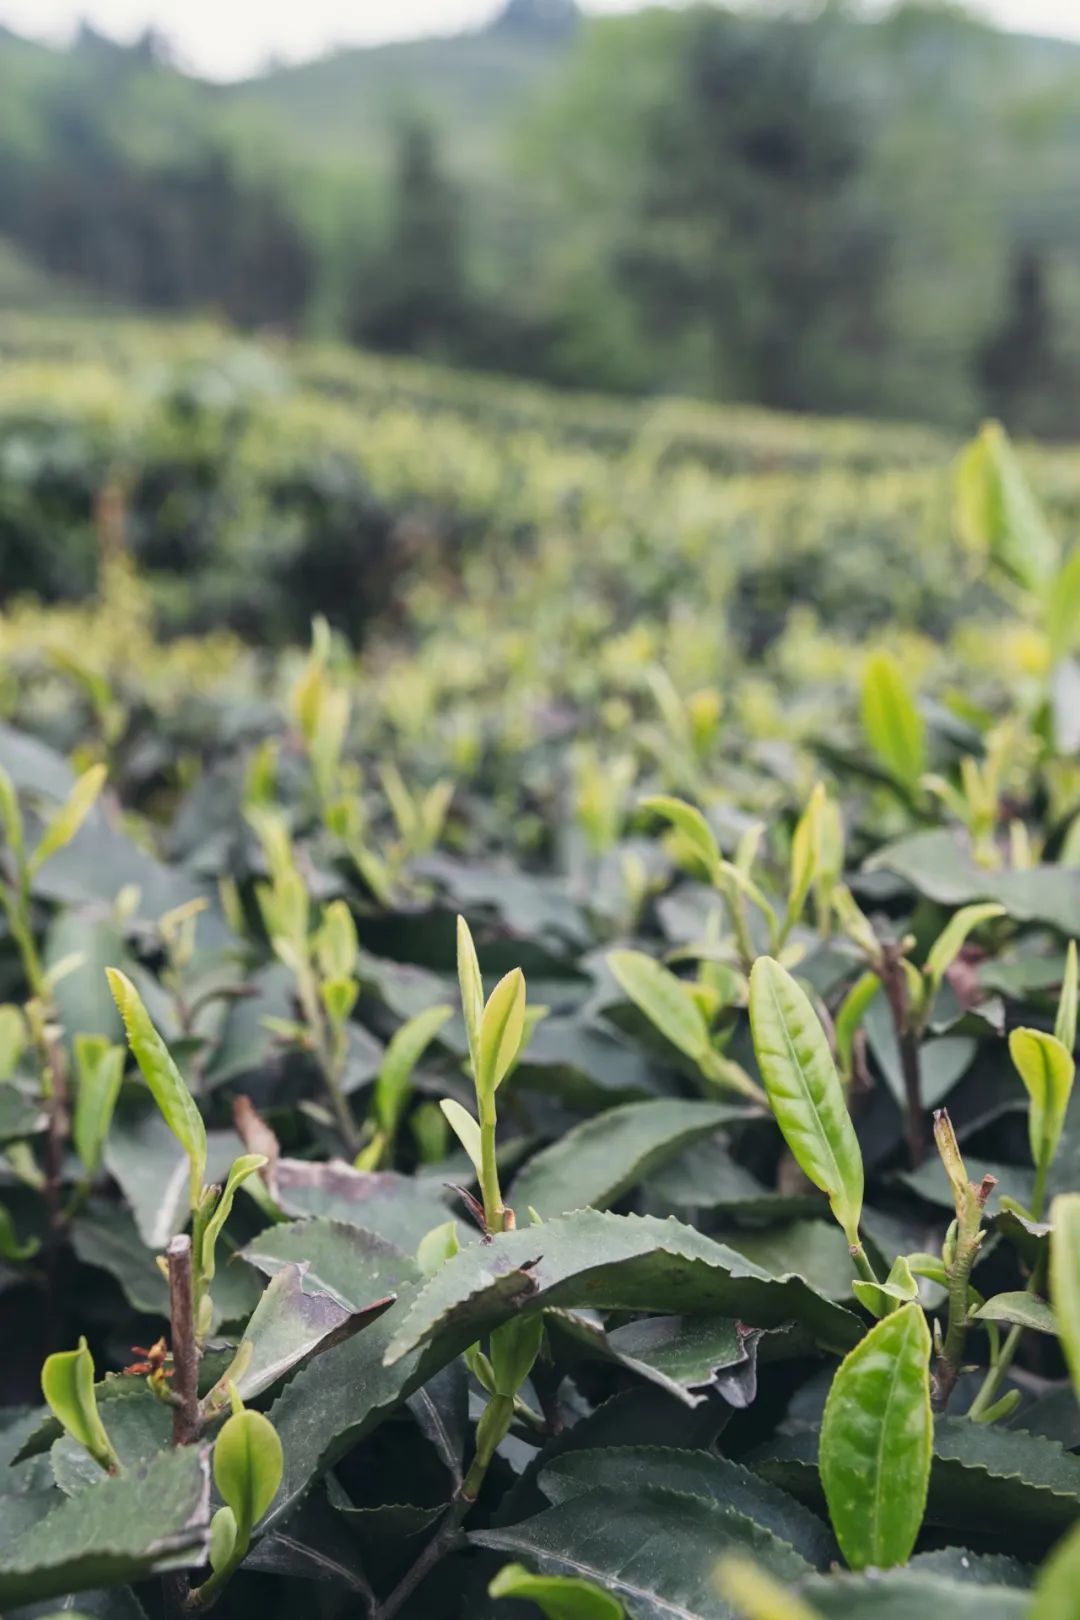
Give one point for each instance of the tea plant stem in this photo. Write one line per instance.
(491, 1192)
(1038, 1193)
(971, 1201)
(948, 1365)
(55, 1076)
(737, 911)
(185, 1351)
(442, 1542)
(448, 1534)
(995, 1377)
(862, 1263)
(894, 982)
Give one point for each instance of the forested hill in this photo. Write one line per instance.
(838, 215)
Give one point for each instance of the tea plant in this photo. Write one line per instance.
(729, 1268)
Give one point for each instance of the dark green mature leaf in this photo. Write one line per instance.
(804, 1090)
(943, 1061)
(125, 1529)
(394, 1207)
(292, 1320)
(105, 1235)
(115, 1603)
(706, 1177)
(352, 1265)
(876, 1440)
(814, 1250)
(609, 1262)
(900, 1594)
(941, 866)
(587, 1065)
(684, 1355)
(655, 1550)
(139, 1426)
(982, 1478)
(19, 1116)
(330, 1405)
(93, 935)
(599, 1160)
(693, 1473)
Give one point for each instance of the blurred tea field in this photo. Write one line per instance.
(312, 667)
(546, 597)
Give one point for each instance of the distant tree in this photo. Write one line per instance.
(415, 297)
(1017, 366)
(750, 242)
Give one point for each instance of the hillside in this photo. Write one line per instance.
(118, 169)
(344, 108)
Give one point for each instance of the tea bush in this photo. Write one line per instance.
(569, 1108)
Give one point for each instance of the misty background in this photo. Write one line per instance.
(801, 207)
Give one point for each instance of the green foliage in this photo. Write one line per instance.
(893, 725)
(549, 1376)
(67, 1382)
(99, 1068)
(560, 1597)
(178, 1108)
(804, 1091)
(875, 1442)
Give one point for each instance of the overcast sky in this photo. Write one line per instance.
(228, 38)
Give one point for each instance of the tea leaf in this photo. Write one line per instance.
(472, 990)
(560, 1597)
(850, 1015)
(403, 1053)
(600, 1159)
(178, 1107)
(876, 1439)
(1055, 1592)
(997, 514)
(1065, 1023)
(950, 942)
(1047, 1070)
(243, 1167)
(665, 1001)
(1022, 1309)
(67, 1382)
(502, 1027)
(63, 826)
(248, 1465)
(464, 1128)
(892, 723)
(756, 1596)
(691, 824)
(693, 1473)
(1065, 1278)
(607, 1262)
(804, 1090)
(127, 1528)
(99, 1070)
(655, 1549)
